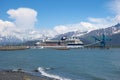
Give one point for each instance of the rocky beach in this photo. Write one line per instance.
(19, 75)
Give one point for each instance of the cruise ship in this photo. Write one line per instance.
(63, 43)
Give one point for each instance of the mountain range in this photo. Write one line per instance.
(112, 35)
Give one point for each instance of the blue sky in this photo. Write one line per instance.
(51, 13)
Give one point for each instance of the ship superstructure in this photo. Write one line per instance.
(64, 42)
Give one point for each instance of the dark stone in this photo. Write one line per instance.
(35, 70)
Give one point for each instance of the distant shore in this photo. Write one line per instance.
(19, 75)
(8, 48)
(12, 48)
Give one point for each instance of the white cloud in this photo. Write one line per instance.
(102, 22)
(97, 20)
(6, 25)
(81, 26)
(117, 19)
(25, 18)
(23, 26)
(61, 29)
(115, 6)
(87, 26)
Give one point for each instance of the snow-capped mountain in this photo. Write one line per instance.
(18, 36)
(112, 32)
(4, 40)
(107, 31)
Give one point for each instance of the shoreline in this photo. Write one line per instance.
(12, 48)
(20, 75)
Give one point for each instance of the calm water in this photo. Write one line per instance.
(74, 64)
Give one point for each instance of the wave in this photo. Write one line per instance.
(42, 71)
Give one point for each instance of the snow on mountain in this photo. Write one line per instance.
(107, 31)
(97, 32)
(112, 33)
(116, 29)
(86, 36)
(20, 35)
(116, 32)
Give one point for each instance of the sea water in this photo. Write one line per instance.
(73, 64)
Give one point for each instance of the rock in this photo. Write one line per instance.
(35, 70)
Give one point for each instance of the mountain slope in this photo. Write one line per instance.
(112, 33)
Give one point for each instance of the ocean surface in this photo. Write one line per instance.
(73, 64)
